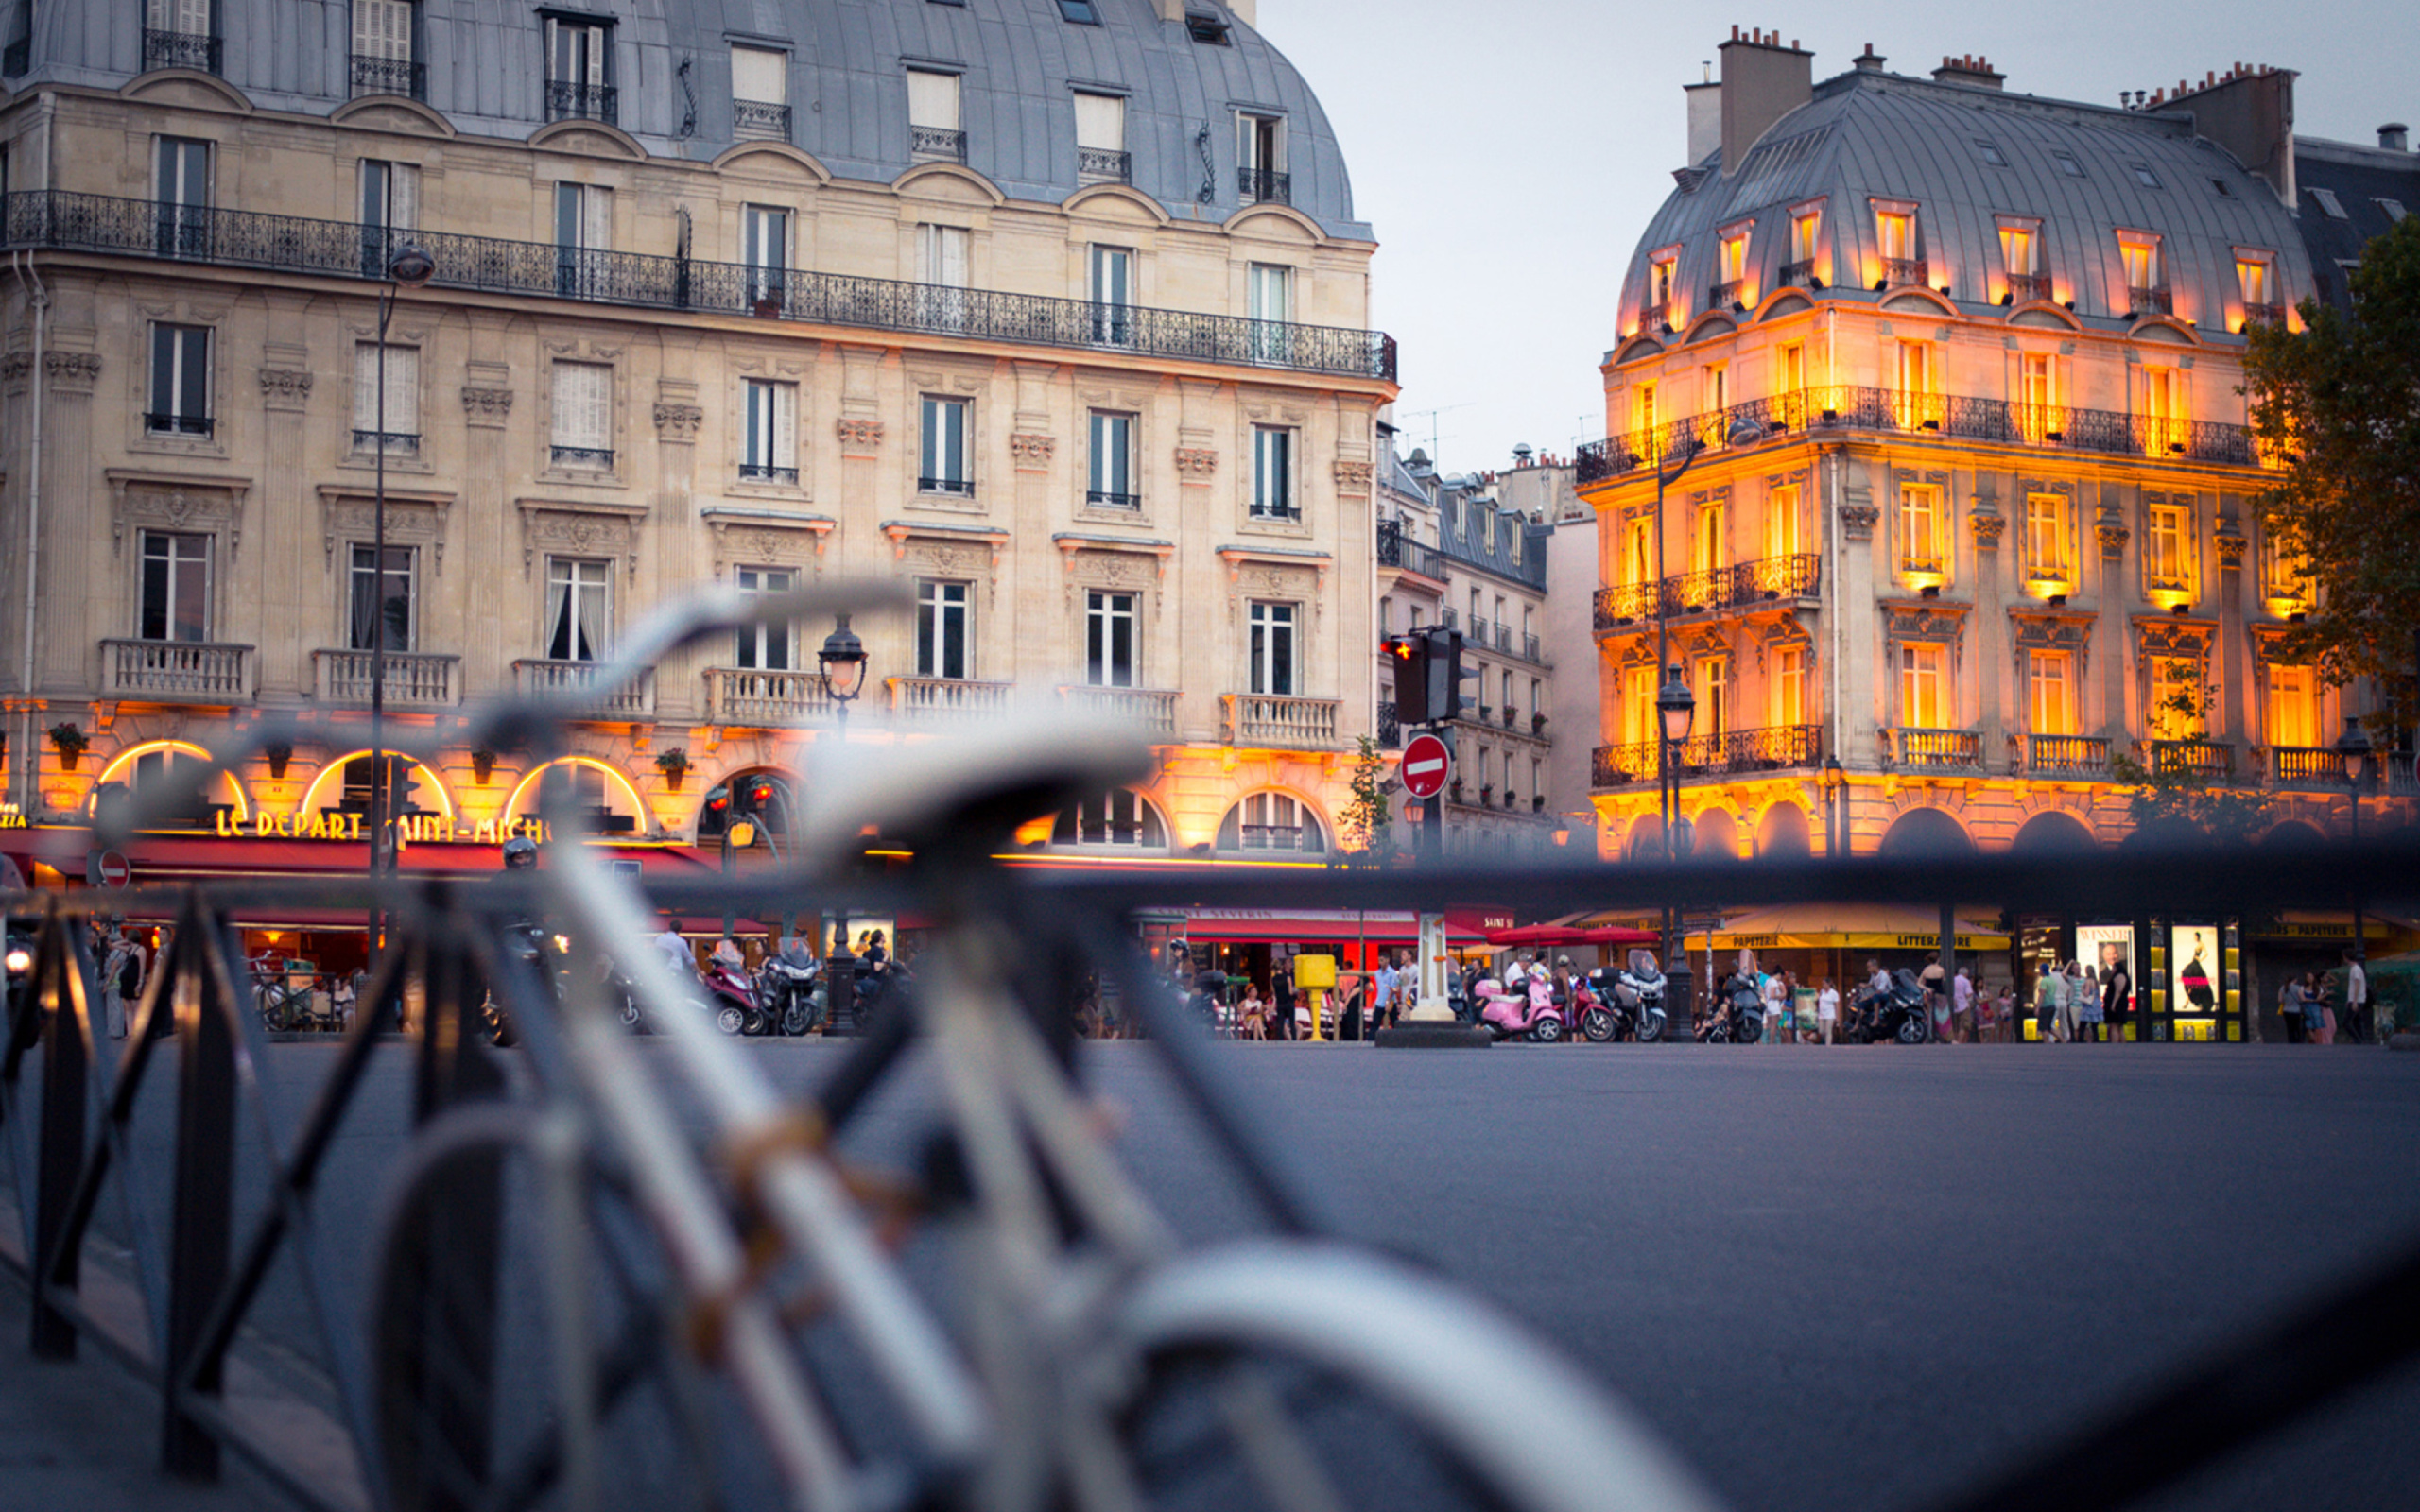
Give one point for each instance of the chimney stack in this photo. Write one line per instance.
(2394, 137)
(1869, 61)
(1762, 81)
(1968, 70)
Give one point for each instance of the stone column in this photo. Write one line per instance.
(2000, 734)
(290, 617)
(70, 625)
(2115, 635)
(678, 542)
(1047, 643)
(487, 527)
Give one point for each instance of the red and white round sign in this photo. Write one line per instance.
(1426, 764)
(113, 870)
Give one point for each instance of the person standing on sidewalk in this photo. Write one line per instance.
(2116, 991)
(1961, 1006)
(2050, 1004)
(1936, 985)
(2355, 1020)
(1827, 1009)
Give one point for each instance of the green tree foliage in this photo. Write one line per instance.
(2171, 797)
(1368, 819)
(2339, 400)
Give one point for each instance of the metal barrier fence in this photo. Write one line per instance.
(198, 1258)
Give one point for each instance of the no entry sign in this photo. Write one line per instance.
(1426, 765)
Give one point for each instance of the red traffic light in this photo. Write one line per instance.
(761, 793)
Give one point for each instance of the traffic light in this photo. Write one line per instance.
(1408, 655)
(1447, 672)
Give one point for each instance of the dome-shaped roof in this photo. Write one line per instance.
(1021, 64)
(1972, 159)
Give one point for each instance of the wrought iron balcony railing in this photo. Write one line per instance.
(1798, 275)
(1724, 294)
(1265, 186)
(1102, 165)
(2149, 301)
(1742, 585)
(1390, 729)
(389, 75)
(1901, 270)
(569, 102)
(180, 49)
(1767, 749)
(1531, 650)
(599, 458)
(2024, 288)
(937, 143)
(2066, 756)
(767, 473)
(1113, 499)
(289, 243)
(1476, 633)
(179, 425)
(1918, 749)
(964, 488)
(1951, 417)
(760, 121)
(1412, 556)
(405, 441)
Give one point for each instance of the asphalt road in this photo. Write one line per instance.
(1834, 1277)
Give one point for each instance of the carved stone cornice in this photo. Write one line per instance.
(2050, 630)
(72, 372)
(285, 387)
(2231, 548)
(1032, 450)
(856, 433)
(589, 529)
(413, 519)
(1989, 528)
(176, 503)
(1857, 521)
(1196, 464)
(678, 424)
(488, 408)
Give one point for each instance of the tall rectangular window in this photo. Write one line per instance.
(943, 645)
(382, 49)
(1707, 552)
(2164, 426)
(2164, 553)
(1260, 158)
(1922, 686)
(180, 388)
(769, 440)
(1914, 406)
(1895, 238)
(180, 181)
(1109, 639)
(583, 233)
(2053, 693)
(390, 206)
(579, 608)
(1714, 697)
(1661, 272)
(2045, 537)
(400, 429)
(1272, 474)
(1113, 461)
(1639, 727)
(2036, 395)
(1111, 291)
(763, 647)
(1789, 685)
(764, 248)
(579, 70)
(1100, 138)
(174, 604)
(943, 461)
(2018, 246)
(934, 132)
(2293, 707)
(1273, 649)
(374, 592)
(1270, 291)
(1924, 528)
(581, 426)
(2140, 253)
(1789, 376)
(2179, 702)
(1639, 550)
(944, 266)
(1781, 522)
(760, 94)
(1806, 235)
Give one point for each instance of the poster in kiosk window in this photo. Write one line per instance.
(2107, 947)
(2199, 983)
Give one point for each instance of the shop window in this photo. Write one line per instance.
(1109, 639)
(174, 601)
(374, 594)
(1271, 821)
(579, 607)
(763, 647)
(1120, 817)
(945, 630)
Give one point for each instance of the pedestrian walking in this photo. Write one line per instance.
(1936, 985)
(2354, 1022)
(2090, 1008)
(1962, 1005)
(1775, 993)
(2294, 1009)
(1827, 1009)
(2069, 1019)
(121, 977)
(2049, 1004)
(2320, 1013)
(2116, 991)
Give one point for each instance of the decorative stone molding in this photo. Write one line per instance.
(963, 550)
(347, 513)
(589, 529)
(488, 407)
(1111, 561)
(1352, 477)
(2031, 630)
(1196, 464)
(1989, 527)
(2231, 546)
(73, 372)
(14, 367)
(1857, 521)
(2112, 540)
(1032, 450)
(173, 503)
(285, 387)
(859, 433)
(1271, 569)
(678, 424)
(756, 539)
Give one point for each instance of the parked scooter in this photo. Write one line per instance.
(1897, 1015)
(1518, 1015)
(1738, 1017)
(733, 998)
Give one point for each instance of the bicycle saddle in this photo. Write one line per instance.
(963, 795)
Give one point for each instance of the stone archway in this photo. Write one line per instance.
(1785, 831)
(1926, 831)
(2054, 832)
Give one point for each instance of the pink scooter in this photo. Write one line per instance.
(1514, 1016)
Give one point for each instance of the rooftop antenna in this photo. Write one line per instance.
(1433, 453)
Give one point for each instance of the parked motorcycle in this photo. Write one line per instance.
(1629, 1001)
(791, 994)
(1897, 1015)
(1518, 1015)
(1739, 1016)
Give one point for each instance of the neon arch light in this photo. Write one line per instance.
(612, 774)
(334, 769)
(125, 759)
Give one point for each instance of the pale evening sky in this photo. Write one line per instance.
(1508, 153)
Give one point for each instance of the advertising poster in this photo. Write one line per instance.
(2107, 948)
(2193, 949)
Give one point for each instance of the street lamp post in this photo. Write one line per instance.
(2353, 749)
(1674, 712)
(1834, 782)
(842, 661)
(409, 267)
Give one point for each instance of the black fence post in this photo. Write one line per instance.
(205, 1001)
(60, 1159)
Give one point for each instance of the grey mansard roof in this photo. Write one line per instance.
(1020, 61)
(1871, 135)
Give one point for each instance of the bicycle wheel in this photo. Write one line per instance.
(1312, 1378)
(487, 1312)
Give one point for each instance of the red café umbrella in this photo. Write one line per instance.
(1560, 934)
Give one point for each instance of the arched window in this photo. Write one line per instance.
(1271, 821)
(1121, 816)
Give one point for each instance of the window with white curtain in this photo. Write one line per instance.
(768, 435)
(583, 233)
(943, 259)
(579, 608)
(399, 431)
(1112, 295)
(583, 428)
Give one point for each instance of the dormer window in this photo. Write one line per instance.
(760, 94)
(933, 132)
(2328, 203)
(2256, 276)
(1082, 12)
(1806, 235)
(2068, 164)
(1661, 269)
(1895, 244)
(1730, 269)
(2146, 291)
(579, 70)
(1100, 138)
(382, 50)
(1204, 26)
(2021, 258)
(1260, 160)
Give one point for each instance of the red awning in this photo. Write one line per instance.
(1384, 926)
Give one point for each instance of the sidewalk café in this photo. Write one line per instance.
(1836, 939)
(1256, 943)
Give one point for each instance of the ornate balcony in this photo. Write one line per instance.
(1266, 186)
(1742, 585)
(346, 249)
(2027, 289)
(181, 671)
(1101, 165)
(537, 677)
(2208, 760)
(1271, 721)
(1798, 275)
(2149, 301)
(2264, 315)
(389, 75)
(760, 121)
(1725, 295)
(1767, 749)
(921, 700)
(415, 679)
(2083, 756)
(758, 699)
(1915, 750)
(2307, 767)
(180, 49)
(1949, 417)
(569, 102)
(1897, 271)
(1152, 711)
(935, 144)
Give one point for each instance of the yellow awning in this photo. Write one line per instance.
(1821, 926)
